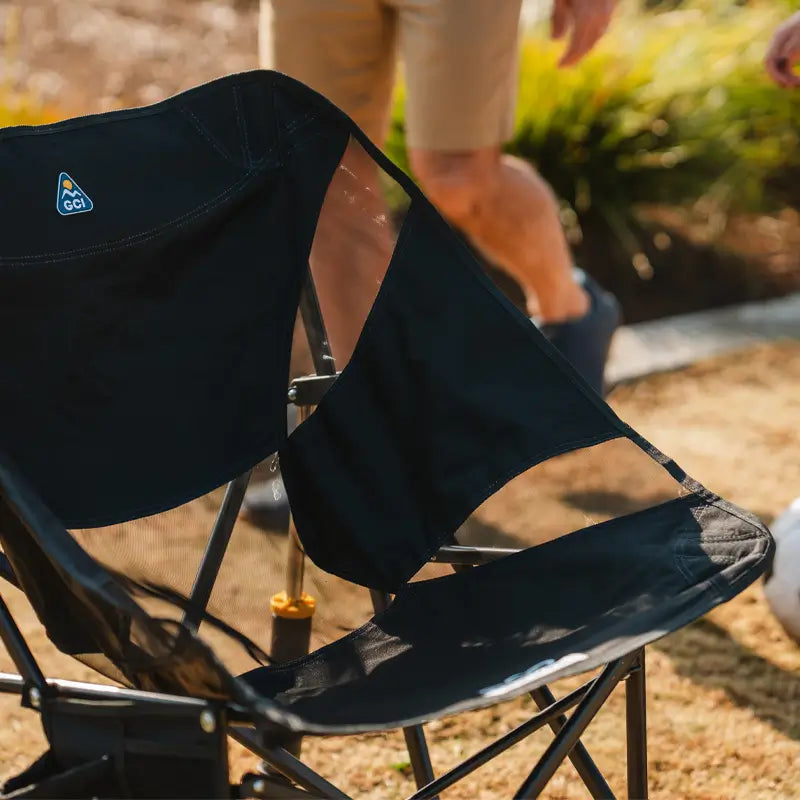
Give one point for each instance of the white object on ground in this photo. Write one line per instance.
(782, 586)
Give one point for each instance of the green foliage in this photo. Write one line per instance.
(672, 107)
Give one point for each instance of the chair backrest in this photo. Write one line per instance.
(146, 342)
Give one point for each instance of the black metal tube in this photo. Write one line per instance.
(215, 551)
(19, 651)
(7, 571)
(569, 735)
(314, 325)
(579, 756)
(414, 735)
(502, 744)
(77, 690)
(636, 730)
(287, 764)
(471, 556)
(419, 755)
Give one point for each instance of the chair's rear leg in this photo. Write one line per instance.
(579, 755)
(415, 735)
(636, 730)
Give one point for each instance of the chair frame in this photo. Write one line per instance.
(284, 775)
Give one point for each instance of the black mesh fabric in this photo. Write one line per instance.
(145, 360)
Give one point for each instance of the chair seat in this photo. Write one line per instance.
(469, 639)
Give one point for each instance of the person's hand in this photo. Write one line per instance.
(784, 53)
(588, 20)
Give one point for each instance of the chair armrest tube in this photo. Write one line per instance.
(462, 554)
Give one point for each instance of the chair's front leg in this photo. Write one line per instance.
(636, 730)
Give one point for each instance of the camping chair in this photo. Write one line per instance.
(146, 332)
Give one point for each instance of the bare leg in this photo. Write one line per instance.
(346, 51)
(352, 248)
(510, 213)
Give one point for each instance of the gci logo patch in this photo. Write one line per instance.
(71, 198)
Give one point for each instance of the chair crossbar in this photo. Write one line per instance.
(286, 764)
(570, 733)
(579, 756)
(522, 731)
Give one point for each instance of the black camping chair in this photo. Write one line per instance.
(146, 333)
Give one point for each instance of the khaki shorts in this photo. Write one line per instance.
(459, 58)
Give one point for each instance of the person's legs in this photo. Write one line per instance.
(461, 69)
(346, 50)
(511, 215)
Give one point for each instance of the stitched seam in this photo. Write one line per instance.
(727, 538)
(138, 238)
(707, 557)
(683, 568)
(723, 505)
(301, 122)
(245, 144)
(207, 135)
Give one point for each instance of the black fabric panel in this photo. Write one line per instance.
(145, 344)
(474, 638)
(450, 393)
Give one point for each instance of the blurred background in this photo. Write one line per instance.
(676, 160)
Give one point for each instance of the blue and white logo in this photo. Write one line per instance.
(71, 198)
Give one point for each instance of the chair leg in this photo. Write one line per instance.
(419, 756)
(415, 736)
(569, 735)
(636, 724)
(579, 756)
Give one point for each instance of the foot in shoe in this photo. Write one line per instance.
(585, 341)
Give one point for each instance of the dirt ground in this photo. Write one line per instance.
(724, 693)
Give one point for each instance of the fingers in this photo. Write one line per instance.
(590, 20)
(560, 19)
(784, 53)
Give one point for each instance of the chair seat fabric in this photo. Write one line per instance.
(491, 633)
